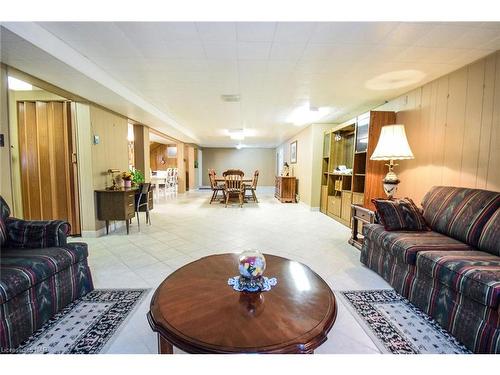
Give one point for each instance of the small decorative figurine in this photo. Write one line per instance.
(286, 170)
(114, 185)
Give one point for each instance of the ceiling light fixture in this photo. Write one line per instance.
(230, 98)
(307, 114)
(18, 85)
(395, 80)
(239, 146)
(240, 134)
(237, 134)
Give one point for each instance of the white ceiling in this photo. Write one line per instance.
(173, 74)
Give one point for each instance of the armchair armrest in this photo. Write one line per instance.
(36, 234)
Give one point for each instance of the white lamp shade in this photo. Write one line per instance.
(392, 144)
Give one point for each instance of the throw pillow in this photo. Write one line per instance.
(400, 214)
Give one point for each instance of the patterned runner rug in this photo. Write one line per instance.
(84, 326)
(398, 327)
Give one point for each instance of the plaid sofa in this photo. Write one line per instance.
(451, 272)
(39, 274)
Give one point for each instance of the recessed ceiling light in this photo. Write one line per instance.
(18, 85)
(240, 134)
(238, 137)
(307, 114)
(395, 80)
(230, 98)
(239, 146)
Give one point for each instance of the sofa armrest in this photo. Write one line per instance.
(36, 234)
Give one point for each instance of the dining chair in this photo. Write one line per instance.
(215, 186)
(253, 186)
(143, 201)
(170, 177)
(233, 184)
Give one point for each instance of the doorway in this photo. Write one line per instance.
(47, 158)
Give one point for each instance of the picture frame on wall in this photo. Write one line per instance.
(293, 152)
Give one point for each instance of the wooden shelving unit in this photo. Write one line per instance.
(350, 145)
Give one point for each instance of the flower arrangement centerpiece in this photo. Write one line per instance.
(251, 265)
(127, 179)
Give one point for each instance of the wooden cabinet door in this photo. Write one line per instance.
(324, 198)
(346, 206)
(46, 150)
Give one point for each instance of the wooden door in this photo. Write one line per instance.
(47, 150)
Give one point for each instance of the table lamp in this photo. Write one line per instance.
(392, 145)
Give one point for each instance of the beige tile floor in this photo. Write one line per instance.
(185, 227)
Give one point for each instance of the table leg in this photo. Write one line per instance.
(164, 347)
(107, 226)
(127, 223)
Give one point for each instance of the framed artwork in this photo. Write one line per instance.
(293, 152)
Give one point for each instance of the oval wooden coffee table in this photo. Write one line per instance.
(195, 310)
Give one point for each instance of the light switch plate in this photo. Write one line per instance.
(96, 139)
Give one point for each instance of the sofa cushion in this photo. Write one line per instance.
(490, 236)
(460, 213)
(399, 214)
(405, 246)
(31, 234)
(475, 274)
(20, 269)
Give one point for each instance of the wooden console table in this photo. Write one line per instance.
(118, 205)
(285, 188)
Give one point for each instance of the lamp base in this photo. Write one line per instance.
(390, 188)
(390, 181)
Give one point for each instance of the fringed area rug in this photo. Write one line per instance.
(84, 326)
(398, 327)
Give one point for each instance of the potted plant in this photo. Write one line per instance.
(127, 179)
(137, 176)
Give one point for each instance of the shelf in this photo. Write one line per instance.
(360, 152)
(341, 174)
(360, 175)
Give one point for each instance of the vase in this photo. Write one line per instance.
(127, 183)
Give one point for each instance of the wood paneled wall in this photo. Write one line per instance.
(376, 169)
(158, 152)
(453, 127)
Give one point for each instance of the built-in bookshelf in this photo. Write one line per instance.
(348, 176)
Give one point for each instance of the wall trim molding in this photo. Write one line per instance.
(113, 226)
